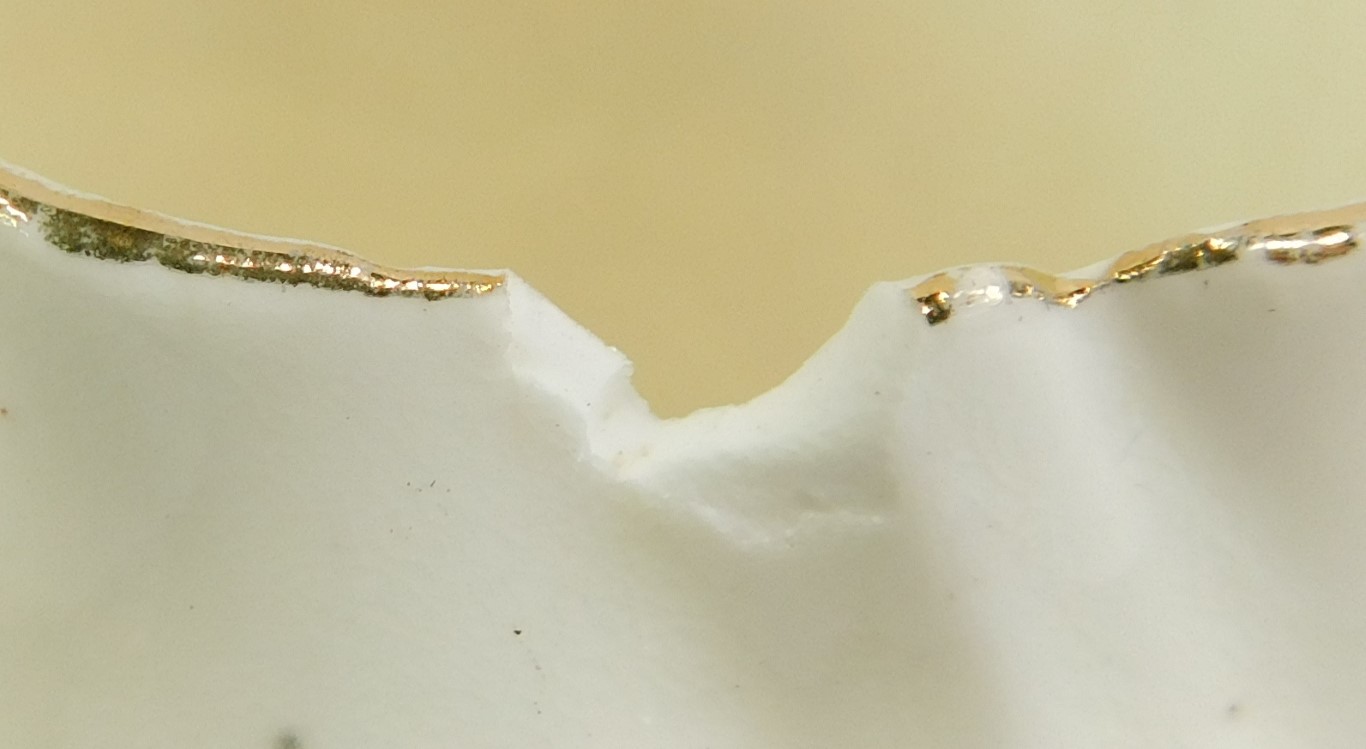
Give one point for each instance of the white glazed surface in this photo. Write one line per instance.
(239, 515)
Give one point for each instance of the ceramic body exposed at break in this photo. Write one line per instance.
(276, 513)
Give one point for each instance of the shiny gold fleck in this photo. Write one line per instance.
(12, 211)
(1309, 247)
(1031, 282)
(1202, 252)
(1180, 255)
(934, 295)
(1137, 264)
(1220, 250)
(1179, 260)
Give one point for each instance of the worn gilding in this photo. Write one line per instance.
(1310, 247)
(1305, 238)
(1187, 253)
(96, 229)
(935, 297)
(1029, 282)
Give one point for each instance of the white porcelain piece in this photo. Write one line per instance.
(347, 507)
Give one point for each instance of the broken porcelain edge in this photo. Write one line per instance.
(102, 229)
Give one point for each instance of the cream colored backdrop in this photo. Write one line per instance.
(709, 186)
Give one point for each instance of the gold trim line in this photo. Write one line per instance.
(1307, 238)
(98, 229)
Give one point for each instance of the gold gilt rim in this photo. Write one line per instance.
(97, 228)
(1303, 238)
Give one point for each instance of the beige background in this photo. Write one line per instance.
(709, 186)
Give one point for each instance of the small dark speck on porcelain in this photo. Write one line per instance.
(288, 740)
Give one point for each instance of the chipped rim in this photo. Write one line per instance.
(95, 227)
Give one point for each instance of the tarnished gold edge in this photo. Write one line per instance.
(1306, 238)
(99, 229)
